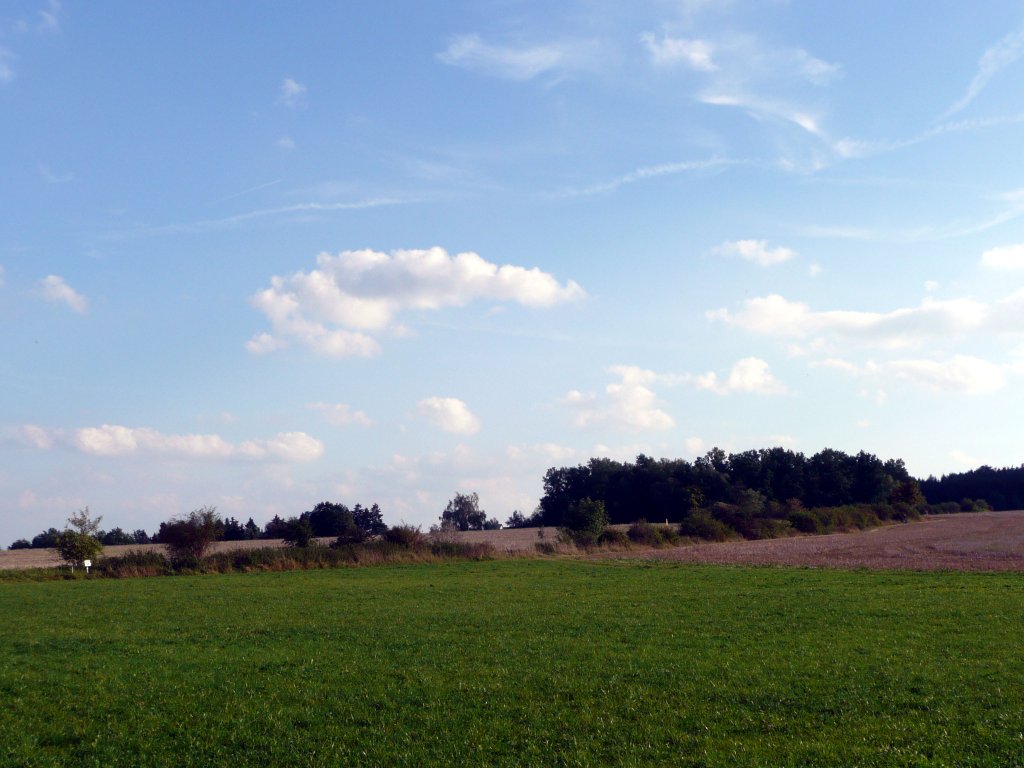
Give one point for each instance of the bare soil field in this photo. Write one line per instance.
(978, 541)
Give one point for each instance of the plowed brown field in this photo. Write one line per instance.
(979, 541)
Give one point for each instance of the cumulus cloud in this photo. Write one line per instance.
(341, 414)
(1007, 257)
(756, 251)
(449, 414)
(285, 446)
(54, 289)
(519, 62)
(667, 51)
(546, 453)
(112, 440)
(334, 308)
(749, 375)
(292, 92)
(777, 316)
(629, 403)
(959, 374)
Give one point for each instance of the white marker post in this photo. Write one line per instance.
(87, 564)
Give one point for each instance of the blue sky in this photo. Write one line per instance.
(259, 257)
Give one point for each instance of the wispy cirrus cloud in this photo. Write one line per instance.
(646, 173)
(238, 219)
(6, 66)
(520, 62)
(995, 59)
(292, 92)
(667, 51)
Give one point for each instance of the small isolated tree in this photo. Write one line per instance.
(78, 542)
(21, 544)
(463, 513)
(190, 536)
(585, 521)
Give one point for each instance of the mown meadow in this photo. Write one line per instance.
(516, 662)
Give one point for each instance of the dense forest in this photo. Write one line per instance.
(1001, 488)
(757, 480)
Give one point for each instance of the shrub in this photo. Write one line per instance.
(701, 525)
(584, 521)
(188, 538)
(21, 544)
(613, 537)
(406, 536)
(135, 564)
(642, 532)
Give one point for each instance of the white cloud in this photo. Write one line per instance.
(56, 290)
(546, 453)
(49, 17)
(931, 286)
(629, 403)
(1007, 257)
(1, 276)
(966, 460)
(673, 50)
(111, 440)
(286, 142)
(292, 92)
(341, 414)
(814, 270)
(648, 172)
(55, 178)
(449, 414)
(332, 309)
(285, 446)
(695, 446)
(756, 251)
(776, 316)
(959, 374)
(996, 58)
(36, 436)
(519, 63)
(749, 375)
(6, 70)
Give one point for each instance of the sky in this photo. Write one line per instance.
(263, 255)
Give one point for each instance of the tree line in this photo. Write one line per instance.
(1002, 489)
(324, 520)
(673, 489)
(753, 493)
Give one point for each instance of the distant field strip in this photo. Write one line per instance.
(516, 662)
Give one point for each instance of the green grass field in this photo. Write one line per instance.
(528, 662)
